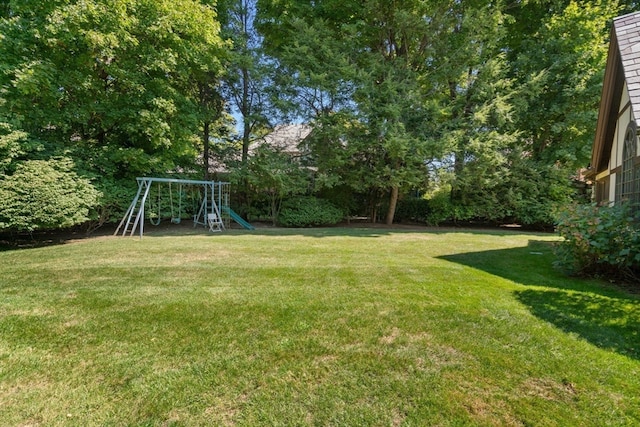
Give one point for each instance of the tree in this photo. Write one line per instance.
(110, 77)
(558, 50)
(38, 192)
(247, 81)
(115, 84)
(362, 60)
(45, 194)
(274, 174)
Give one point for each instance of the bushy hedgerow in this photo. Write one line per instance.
(600, 241)
(308, 212)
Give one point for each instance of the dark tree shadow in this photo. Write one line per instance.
(602, 314)
(340, 230)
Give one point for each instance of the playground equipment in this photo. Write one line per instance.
(214, 211)
(237, 218)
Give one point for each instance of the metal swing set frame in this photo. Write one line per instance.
(215, 203)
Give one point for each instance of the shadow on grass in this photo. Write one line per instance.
(366, 230)
(605, 316)
(341, 230)
(38, 239)
(20, 241)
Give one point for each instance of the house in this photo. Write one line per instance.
(615, 159)
(287, 138)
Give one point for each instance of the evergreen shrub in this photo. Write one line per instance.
(308, 212)
(600, 241)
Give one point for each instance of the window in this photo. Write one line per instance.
(601, 189)
(627, 185)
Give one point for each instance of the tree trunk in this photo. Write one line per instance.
(458, 168)
(246, 132)
(393, 202)
(205, 151)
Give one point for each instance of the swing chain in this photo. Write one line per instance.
(176, 219)
(159, 217)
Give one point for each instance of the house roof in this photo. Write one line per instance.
(623, 64)
(285, 137)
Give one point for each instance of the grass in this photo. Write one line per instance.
(315, 327)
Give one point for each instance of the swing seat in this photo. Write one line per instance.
(215, 223)
(175, 220)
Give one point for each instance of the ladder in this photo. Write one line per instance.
(134, 216)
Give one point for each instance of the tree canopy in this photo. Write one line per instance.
(113, 84)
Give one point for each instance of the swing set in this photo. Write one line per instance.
(210, 204)
(175, 219)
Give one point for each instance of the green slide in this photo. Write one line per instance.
(237, 218)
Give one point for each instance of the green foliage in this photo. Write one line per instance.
(45, 194)
(499, 94)
(440, 208)
(413, 209)
(118, 75)
(247, 82)
(516, 190)
(443, 209)
(273, 175)
(341, 196)
(356, 71)
(600, 241)
(308, 212)
(116, 86)
(113, 202)
(12, 144)
(502, 96)
(558, 58)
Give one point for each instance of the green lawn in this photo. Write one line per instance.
(312, 327)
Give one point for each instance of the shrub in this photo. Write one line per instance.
(308, 212)
(443, 209)
(412, 209)
(600, 241)
(114, 200)
(45, 194)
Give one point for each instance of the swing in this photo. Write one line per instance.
(158, 217)
(176, 219)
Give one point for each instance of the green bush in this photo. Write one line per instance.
(308, 212)
(412, 209)
(45, 194)
(600, 241)
(114, 200)
(443, 209)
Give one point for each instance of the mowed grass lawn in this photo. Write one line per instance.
(338, 326)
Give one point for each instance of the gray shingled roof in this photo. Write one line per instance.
(285, 137)
(627, 30)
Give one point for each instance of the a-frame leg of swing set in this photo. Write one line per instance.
(126, 219)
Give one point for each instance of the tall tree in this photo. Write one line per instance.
(248, 81)
(112, 84)
(420, 80)
(558, 50)
(474, 95)
(110, 76)
(361, 60)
